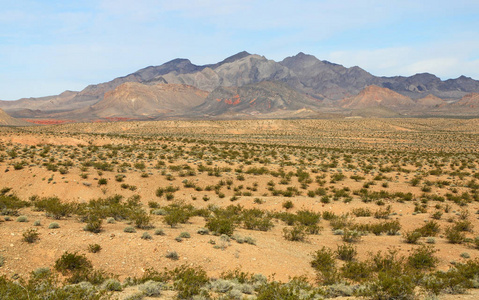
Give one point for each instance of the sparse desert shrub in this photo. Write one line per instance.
(151, 288)
(176, 214)
(476, 242)
(390, 286)
(325, 265)
(54, 208)
(463, 225)
(129, 229)
(437, 215)
(221, 225)
(351, 236)
(362, 212)
(146, 236)
(94, 248)
(31, 236)
(250, 240)
(53, 225)
(288, 204)
(159, 232)
(141, 219)
(94, 224)
(37, 223)
(112, 285)
(188, 281)
(172, 255)
(69, 263)
(431, 228)
(454, 236)
(328, 215)
(346, 252)
(102, 181)
(203, 231)
(307, 217)
(358, 271)
(22, 219)
(185, 235)
(412, 237)
(296, 234)
(423, 258)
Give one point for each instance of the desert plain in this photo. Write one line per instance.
(230, 198)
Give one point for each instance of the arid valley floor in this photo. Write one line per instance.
(260, 197)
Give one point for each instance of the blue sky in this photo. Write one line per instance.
(50, 46)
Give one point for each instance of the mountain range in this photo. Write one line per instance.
(252, 86)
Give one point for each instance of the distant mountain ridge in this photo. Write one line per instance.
(297, 83)
(303, 72)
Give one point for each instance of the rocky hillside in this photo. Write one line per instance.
(255, 99)
(470, 101)
(7, 120)
(373, 96)
(132, 100)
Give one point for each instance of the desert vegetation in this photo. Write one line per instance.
(287, 209)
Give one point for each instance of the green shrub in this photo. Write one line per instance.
(102, 181)
(423, 258)
(346, 252)
(390, 286)
(141, 219)
(431, 228)
(94, 224)
(463, 225)
(454, 236)
(412, 237)
(296, 234)
(325, 265)
(307, 217)
(69, 263)
(221, 225)
(54, 208)
(188, 281)
(176, 214)
(297, 288)
(288, 204)
(362, 212)
(358, 271)
(31, 236)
